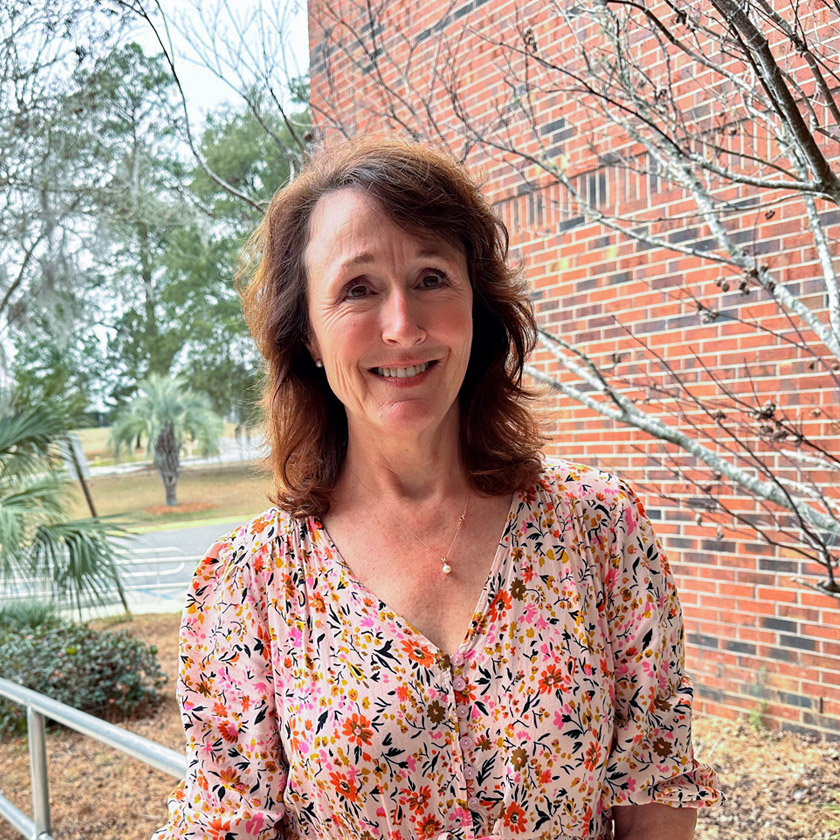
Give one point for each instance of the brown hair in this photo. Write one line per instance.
(422, 191)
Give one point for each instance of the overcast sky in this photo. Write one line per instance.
(203, 89)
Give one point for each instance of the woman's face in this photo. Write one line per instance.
(391, 318)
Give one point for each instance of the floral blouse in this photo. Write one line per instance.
(313, 710)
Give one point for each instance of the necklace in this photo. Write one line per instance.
(445, 567)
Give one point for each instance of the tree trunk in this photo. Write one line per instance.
(170, 485)
(167, 462)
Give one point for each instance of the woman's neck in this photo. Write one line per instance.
(416, 470)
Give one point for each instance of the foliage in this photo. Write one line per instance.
(249, 153)
(128, 245)
(150, 240)
(27, 614)
(100, 672)
(70, 363)
(202, 311)
(48, 166)
(75, 558)
(127, 100)
(249, 150)
(167, 415)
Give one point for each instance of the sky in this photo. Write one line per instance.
(256, 20)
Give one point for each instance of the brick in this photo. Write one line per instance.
(739, 647)
(799, 642)
(702, 640)
(783, 624)
(792, 699)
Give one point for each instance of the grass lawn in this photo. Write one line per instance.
(237, 491)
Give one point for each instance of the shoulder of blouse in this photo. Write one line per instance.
(581, 481)
(605, 498)
(269, 533)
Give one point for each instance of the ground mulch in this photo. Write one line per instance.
(778, 786)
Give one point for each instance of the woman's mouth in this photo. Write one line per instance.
(402, 372)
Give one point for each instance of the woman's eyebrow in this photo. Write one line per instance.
(365, 257)
(359, 259)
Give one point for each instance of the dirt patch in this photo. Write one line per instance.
(187, 507)
(778, 786)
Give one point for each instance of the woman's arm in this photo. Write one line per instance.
(651, 762)
(236, 772)
(653, 822)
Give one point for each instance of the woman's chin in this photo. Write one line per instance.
(408, 422)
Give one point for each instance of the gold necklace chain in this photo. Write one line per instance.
(445, 568)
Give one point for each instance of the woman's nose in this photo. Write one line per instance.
(402, 320)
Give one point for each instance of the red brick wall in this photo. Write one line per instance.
(756, 640)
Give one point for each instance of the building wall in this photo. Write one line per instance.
(757, 642)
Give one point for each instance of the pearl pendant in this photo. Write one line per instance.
(446, 567)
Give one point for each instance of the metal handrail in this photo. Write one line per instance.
(39, 707)
(21, 587)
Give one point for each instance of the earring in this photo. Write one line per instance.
(318, 363)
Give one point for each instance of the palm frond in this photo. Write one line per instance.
(28, 437)
(25, 505)
(77, 559)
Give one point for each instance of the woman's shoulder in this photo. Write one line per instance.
(580, 481)
(242, 561)
(267, 532)
(572, 485)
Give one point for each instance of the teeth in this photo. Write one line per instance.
(404, 372)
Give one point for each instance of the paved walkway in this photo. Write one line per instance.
(161, 565)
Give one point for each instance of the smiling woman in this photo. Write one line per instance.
(435, 633)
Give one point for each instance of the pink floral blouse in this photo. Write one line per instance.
(313, 710)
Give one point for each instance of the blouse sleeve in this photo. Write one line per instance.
(236, 772)
(652, 759)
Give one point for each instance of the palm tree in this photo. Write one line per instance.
(167, 414)
(37, 541)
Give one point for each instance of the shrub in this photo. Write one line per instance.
(28, 615)
(104, 673)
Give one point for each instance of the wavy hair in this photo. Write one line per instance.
(423, 192)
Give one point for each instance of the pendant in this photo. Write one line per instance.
(446, 567)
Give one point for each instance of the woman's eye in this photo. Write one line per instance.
(356, 290)
(434, 279)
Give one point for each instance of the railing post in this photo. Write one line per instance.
(38, 765)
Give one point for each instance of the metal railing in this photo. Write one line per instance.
(39, 707)
(153, 578)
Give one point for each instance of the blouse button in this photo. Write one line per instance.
(462, 711)
(473, 803)
(466, 743)
(457, 659)
(470, 772)
(459, 683)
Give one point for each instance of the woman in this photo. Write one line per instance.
(434, 634)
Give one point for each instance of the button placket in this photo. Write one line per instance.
(465, 739)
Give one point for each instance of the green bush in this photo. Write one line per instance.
(104, 673)
(28, 615)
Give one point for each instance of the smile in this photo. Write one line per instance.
(402, 372)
